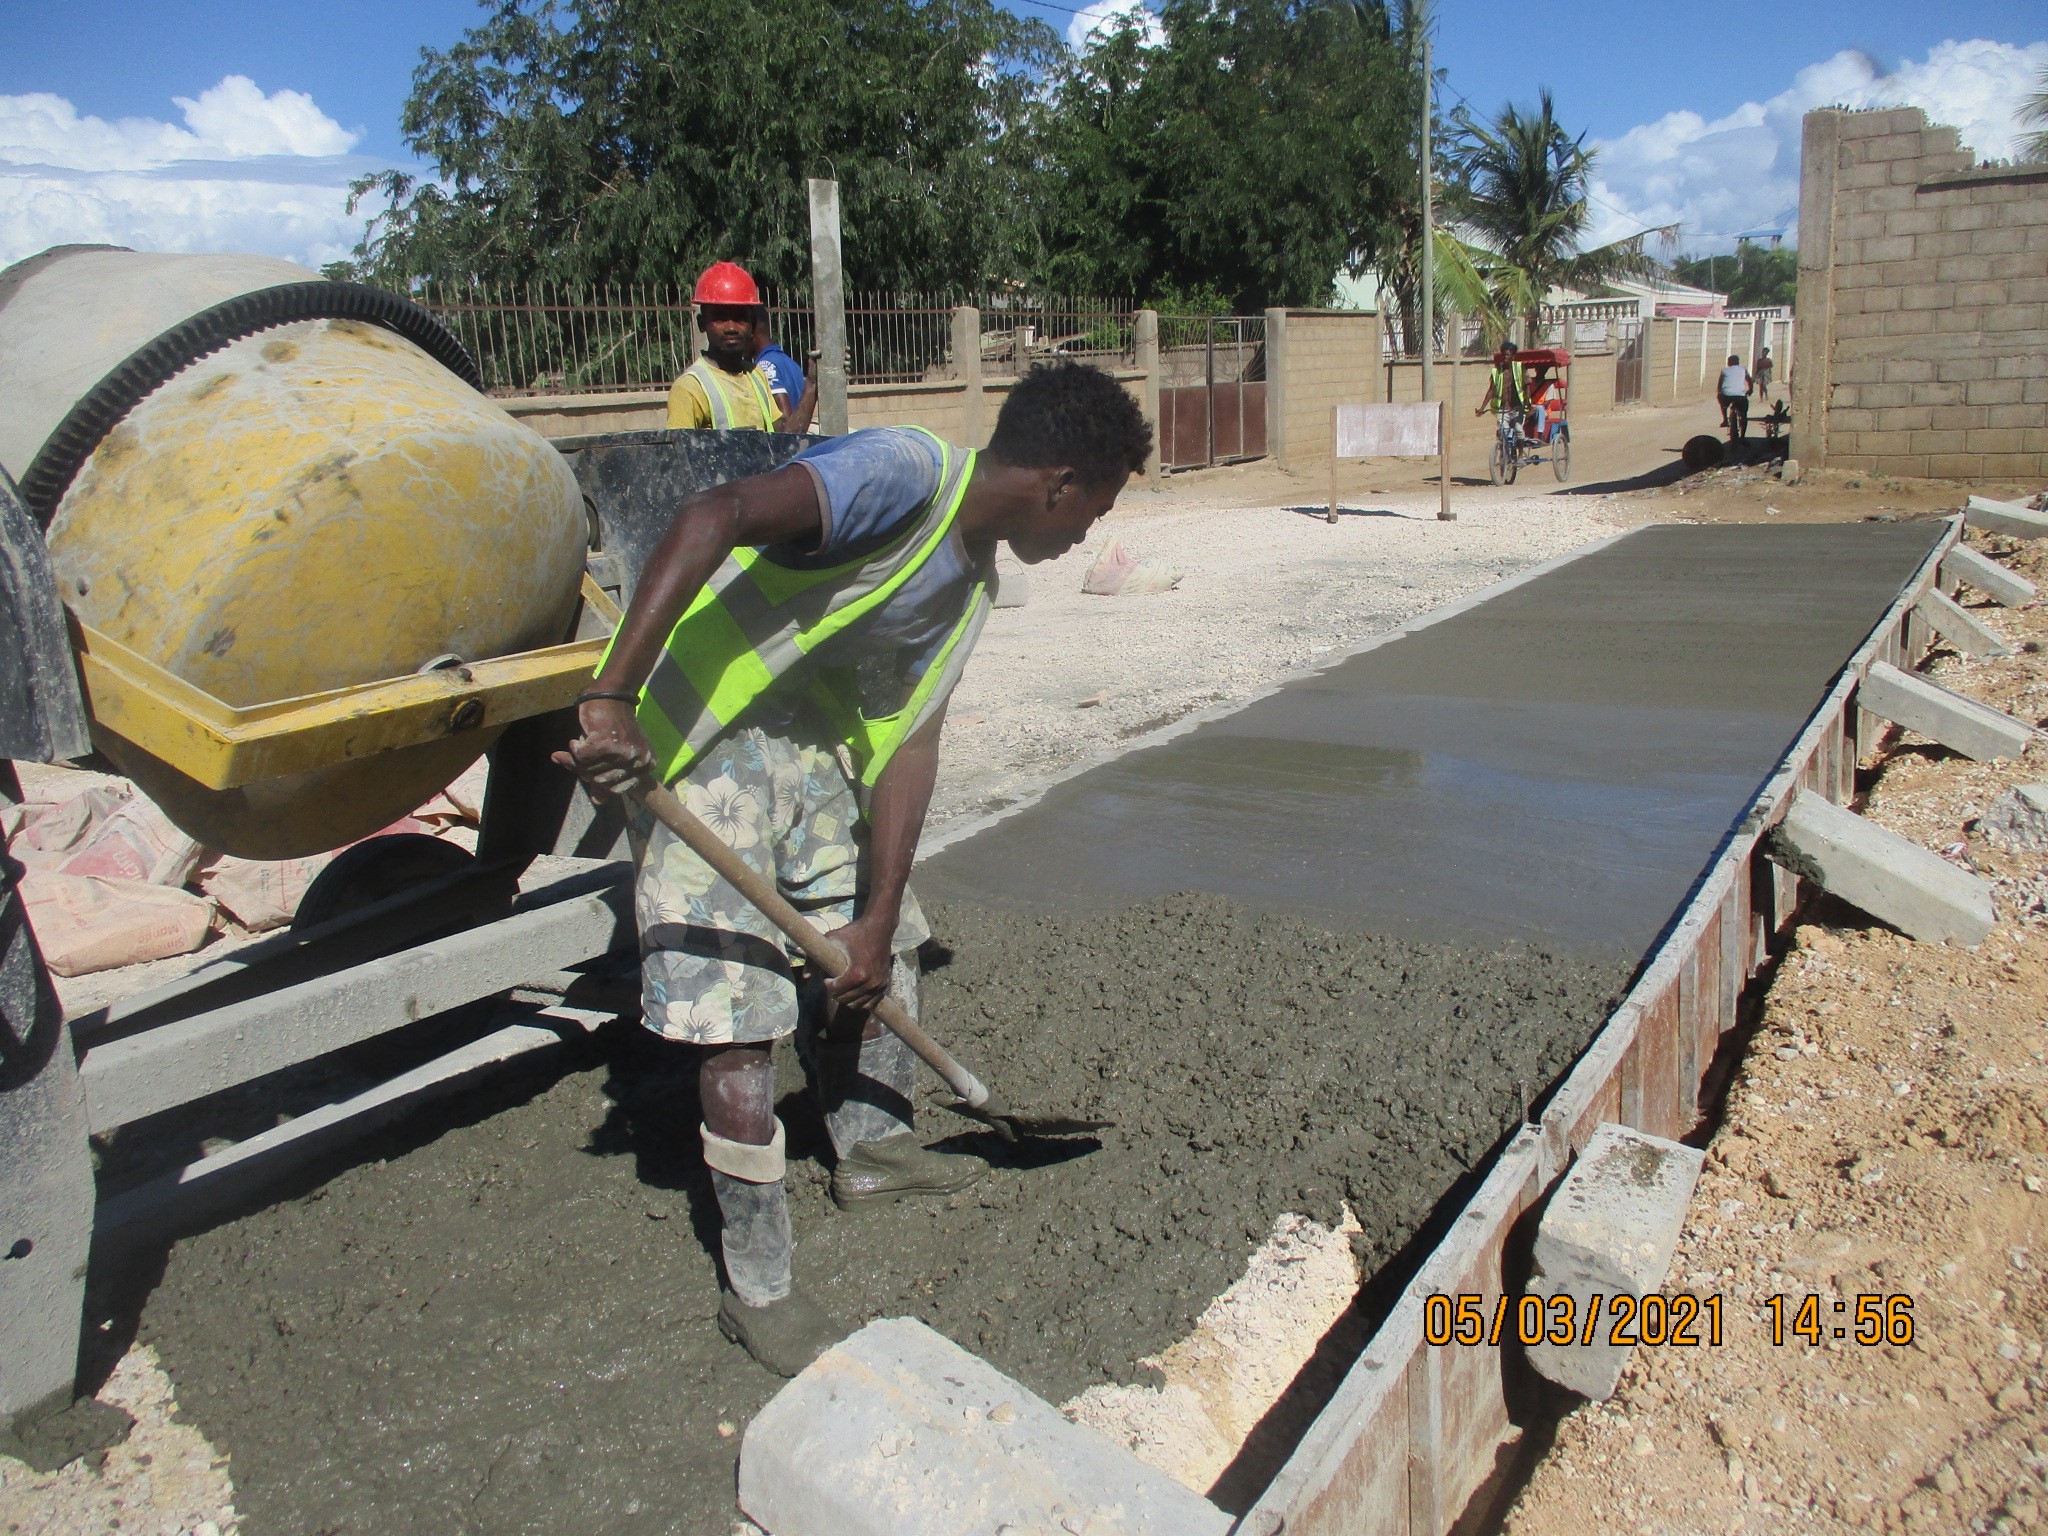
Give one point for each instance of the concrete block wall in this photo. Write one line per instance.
(1923, 303)
(1703, 347)
(941, 408)
(1316, 359)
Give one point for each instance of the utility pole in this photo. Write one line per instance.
(828, 305)
(1428, 241)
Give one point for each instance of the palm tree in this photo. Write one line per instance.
(2034, 146)
(1520, 192)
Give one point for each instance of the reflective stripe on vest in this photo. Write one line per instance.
(707, 376)
(755, 621)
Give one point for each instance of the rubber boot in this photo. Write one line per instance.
(868, 1115)
(761, 1310)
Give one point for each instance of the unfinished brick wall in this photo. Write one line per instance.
(1923, 303)
(1315, 359)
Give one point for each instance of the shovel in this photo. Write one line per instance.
(974, 1100)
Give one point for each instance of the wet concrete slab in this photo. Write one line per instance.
(1555, 765)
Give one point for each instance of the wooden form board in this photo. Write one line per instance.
(1410, 430)
(1414, 1430)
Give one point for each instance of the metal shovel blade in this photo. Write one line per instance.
(1014, 1127)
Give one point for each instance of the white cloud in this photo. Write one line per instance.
(1741, 172)
(1103, 18)
(245, 172)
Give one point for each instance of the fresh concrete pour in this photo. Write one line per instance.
(500, 1318)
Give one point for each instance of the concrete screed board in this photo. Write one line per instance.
(1554, 765)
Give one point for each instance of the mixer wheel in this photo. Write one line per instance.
(365, 873)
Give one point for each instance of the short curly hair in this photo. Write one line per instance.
(1075, 417)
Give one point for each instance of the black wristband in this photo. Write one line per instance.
(595, 694)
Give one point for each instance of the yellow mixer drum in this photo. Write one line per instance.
(315, 505)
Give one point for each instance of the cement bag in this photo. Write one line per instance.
(1117, 574)
(85, 923)
(42, 835)
(260, 893)
(136, 841)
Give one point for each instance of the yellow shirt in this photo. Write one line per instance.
(748, 405)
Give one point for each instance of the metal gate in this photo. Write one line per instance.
(1628, 362)
(1212, 389)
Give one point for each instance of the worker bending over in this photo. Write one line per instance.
(785, 665)
(724, 390)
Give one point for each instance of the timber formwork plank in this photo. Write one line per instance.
(1643, 1070)
(1415, 1428)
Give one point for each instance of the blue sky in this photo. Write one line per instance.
(1694, 125)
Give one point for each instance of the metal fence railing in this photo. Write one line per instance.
(549, 338)
(1017, 331)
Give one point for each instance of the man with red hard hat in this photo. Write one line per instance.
(723, 390)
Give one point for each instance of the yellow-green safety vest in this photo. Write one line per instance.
(756, 621)
(706, 374)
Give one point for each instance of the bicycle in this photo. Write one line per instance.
(1738, 418)
(1507, 447)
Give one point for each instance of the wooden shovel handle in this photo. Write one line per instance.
(822, 951)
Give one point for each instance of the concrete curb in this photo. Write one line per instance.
(1959, 627)
(1895, 881)
(898, 1431)
(2006, 517)
(1973, 729)
(2004, 587)
(1609, 1232)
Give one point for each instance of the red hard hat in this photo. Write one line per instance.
(726, 282)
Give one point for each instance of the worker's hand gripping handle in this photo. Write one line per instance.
(818, 948)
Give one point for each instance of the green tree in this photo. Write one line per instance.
(1752, 278)
(1239, 156)
(602, 141)
(1388, 234)
(1520, 191)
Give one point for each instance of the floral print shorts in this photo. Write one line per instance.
(713, 970)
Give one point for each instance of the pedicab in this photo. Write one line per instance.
(1537, 431)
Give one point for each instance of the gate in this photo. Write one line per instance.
(1628, 363)
(1212, 389)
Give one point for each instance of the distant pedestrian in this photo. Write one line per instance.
(795, 394)
(1734, 393)
(1762, 374)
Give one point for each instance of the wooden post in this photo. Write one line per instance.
(1332, 515)
(1455, 333)
(1428, 238)
(1443, 463)
(828, 303)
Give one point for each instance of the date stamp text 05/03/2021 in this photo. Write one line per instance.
(1681, 1321)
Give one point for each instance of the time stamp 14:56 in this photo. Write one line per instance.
(1682, 1321)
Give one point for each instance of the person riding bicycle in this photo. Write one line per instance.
(1506, 387)
(1734, 394)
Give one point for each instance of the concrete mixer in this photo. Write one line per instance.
(281, 562)
(313, 570)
